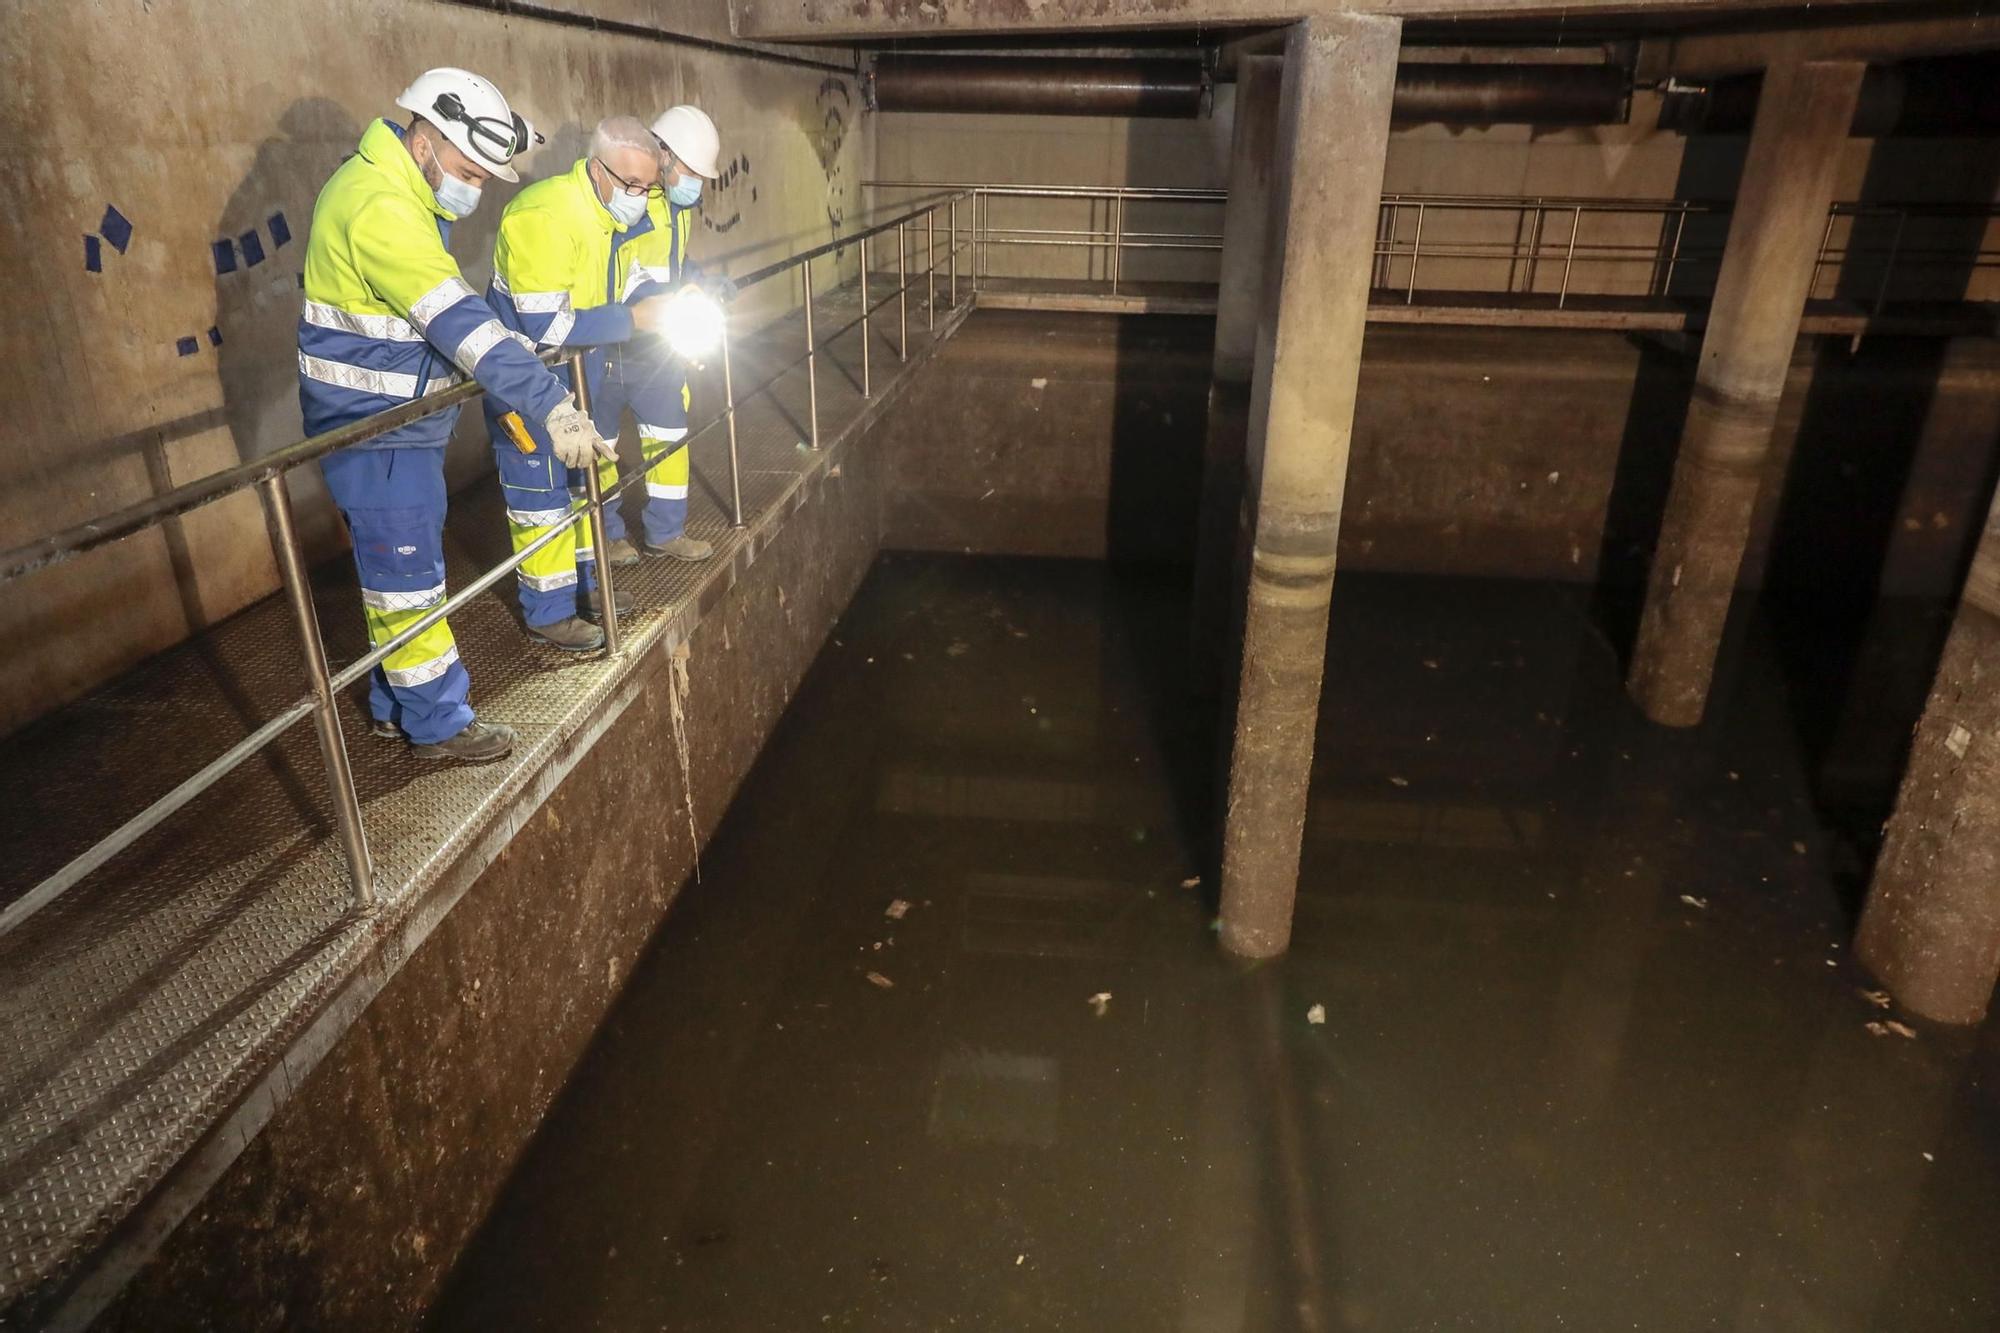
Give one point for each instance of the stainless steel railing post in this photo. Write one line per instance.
(812, 361)
(1416, 253)
(1569, 259)
(326, 706)
(953, 220)
(600, 540)
(867, 385)
(1117, 237)
(902, 298)
(930, 269)
(1674, 257)
(729, 414)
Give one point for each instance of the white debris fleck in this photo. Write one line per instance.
(1959, 741)
(897, 910)
(1399, 782)
(1191, 882)
(1316, 1015)
(1039, 382)
(1100, 1002)
(877, 979)
(1879, 998)
(1692, 901)
(1555, 477)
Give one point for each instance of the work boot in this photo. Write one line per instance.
(682, 547)
(387, 731)
(480, 743)
(590, 607)
(574, 635)
(623, 554)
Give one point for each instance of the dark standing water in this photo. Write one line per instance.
(1591, 1054)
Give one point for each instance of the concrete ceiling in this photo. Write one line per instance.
(1695, 37)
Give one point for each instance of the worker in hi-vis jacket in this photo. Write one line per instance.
(590, 260)
(387, 318)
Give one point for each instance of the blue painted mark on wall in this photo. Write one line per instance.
(281, 230)
(253, 248)
(214, 335)
(115, 228)
(225, 256)
(187, 346)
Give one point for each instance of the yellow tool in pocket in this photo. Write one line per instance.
(517, 431)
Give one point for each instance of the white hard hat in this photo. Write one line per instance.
(473, 115)
(690, 136)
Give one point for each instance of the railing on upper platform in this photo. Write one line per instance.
(1526, 245)
(267, 475)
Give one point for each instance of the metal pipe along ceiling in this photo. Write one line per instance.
(1450, 94)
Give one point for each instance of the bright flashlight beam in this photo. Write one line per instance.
(693, 326)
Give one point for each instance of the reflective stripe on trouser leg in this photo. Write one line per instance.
(536, 489)
(394, 502)
(666, 483)
(614, 522)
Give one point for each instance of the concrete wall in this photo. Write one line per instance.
(1476, 452)
(1636, 160)
(209, 123)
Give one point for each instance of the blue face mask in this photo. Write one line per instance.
(686, 192)
(627, 208)
(453, 195)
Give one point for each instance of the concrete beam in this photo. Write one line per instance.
(1246, 247)
(1767, 266)
(1744, 50)
(1931, 927)
(1332, 145)
(828, 20)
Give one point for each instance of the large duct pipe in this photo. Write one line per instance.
(1959, 95)
(1456, 95)
(1041, 86)
(1474, 96)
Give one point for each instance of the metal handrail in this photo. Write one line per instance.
(320, 702)
(1666, 255)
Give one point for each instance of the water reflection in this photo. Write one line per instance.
(1589, 1052)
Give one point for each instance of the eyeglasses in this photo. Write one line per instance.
(654, 191)
(497, 139)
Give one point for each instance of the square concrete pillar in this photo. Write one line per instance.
(1332, 143)
(1803, 114)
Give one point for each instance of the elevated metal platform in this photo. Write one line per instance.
(160, 1011)
(1500, 310)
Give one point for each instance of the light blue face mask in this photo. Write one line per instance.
(453, 195)
(686, 192)
(456, 197)
(627, 208)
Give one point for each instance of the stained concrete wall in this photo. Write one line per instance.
(1488, 453)
(1636, 160)
(133, 363)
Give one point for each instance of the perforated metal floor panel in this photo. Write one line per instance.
(143, 1005)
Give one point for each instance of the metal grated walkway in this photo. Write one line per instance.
(164, 995)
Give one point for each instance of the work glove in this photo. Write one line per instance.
(575, 439)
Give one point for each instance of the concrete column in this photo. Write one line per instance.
(1246, 222)
(1931, 927)
(1774, 233)
(1333, 137)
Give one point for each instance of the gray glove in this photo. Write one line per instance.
(575, 439)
